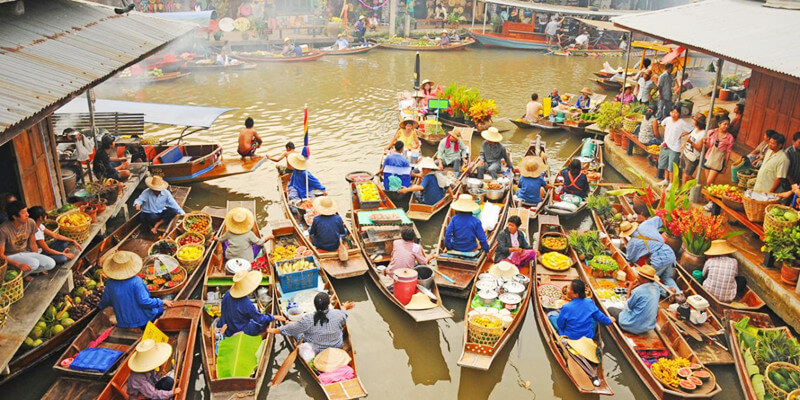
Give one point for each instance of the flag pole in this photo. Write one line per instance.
(305, 129)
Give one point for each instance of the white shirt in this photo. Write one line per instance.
(582, 39)
(551, 28)
(695, 137)
(83, 148)
(673, 131)
(39, 234)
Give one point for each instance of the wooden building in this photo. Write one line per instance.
(773, 102)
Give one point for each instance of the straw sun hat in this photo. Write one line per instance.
(427, 162)
(239, 220)
(424, 81)
(648, 272)
(492, 135)
(325, 205)
(720, 247)
(297, 161)
(585, 347)
(420, 301)
(465, 203)
(532, 166)
(586, 90)
(403, 124)
(244, 283)
(122, 265)
(504, 269)
(156, 182)
(330, 359)
(627, 228)
(149, 355)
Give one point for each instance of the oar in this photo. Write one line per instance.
(447, 278)
(582, 379)
(280, 375)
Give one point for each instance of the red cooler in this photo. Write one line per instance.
(405, 284)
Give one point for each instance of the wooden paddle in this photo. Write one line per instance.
(447, 278)
(280, 375)
(691, 331)
(581, 378)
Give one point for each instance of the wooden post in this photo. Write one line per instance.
(474, 11)
(392, 17)
(90, 99)
(683, 76)
(695, 195)
(407, 22)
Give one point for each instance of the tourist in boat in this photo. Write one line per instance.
(249, 140)
(103, 163)
(406, 252)
(533, 109)
(641, 309)
(626, 97)
(646, 242)
(301, 179)
(5, 200)
(723, 141)
(513, 245)
(156, 203)
(492, 154)
(321, 329)
(290, 49)
(775, 168)
(145, 380)
(465, 232)
(396, 169)
(238, 313)
(340, 43)
(58, 249)
(406, 133)
(289, 149)
(580, 316)
(720, 272)
(431, 191)
(575, 180)
(452, 152)
(531, 182)
(239, 223)
(555, 98)
(327, 230)
(444, 40)
(584, 101)
(361, 29)
(18, 242)
(127, 293)
(690, 156)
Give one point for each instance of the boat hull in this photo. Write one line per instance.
(351, 51)
(457, 46)
(495, 40)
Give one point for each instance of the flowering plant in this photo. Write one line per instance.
(699, 230)
(670, 221)
(482, 110)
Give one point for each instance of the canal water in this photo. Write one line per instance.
(352, 115)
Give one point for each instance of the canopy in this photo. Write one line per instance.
(154, 113)
(202, 18)
(563, 10)
(605, 25)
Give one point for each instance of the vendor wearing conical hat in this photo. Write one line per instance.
(145, 380)
(647, 245)
(431, 190)
(237, 312)
(720, 272)
(319, 330)
(406, 133)
(579, 317)
(531, 183)
(584, 102)
(444, 39)
(239, 224)
(641, 309)
(127, 293)
(156, 203)
(492, 154)
(361, 29)
(465, 232)
(301, 179)
(327, 229)
(452, 152)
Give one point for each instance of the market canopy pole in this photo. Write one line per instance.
(392, 18)
(416, 72)
(474, 11)
(625, 72)
(695, 196)
(683, 75)
(407, 25)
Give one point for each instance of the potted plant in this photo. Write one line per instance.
(453, 20)
(609, 118)
(674, 199)
(784, 245)
(699, 230)
(481, 113)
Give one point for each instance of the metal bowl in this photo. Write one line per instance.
(476, 192)
(474, 183)
(495, 194)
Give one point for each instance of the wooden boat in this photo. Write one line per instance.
(345, 390)
(481, 356)
(349, 51)
(376, 242)
(166, 62)
(544, 124)
(259, 57)
(510, 40)
(536, 148)
(217, 215)
(587, 52)
(180, 324)
(608, 84)
(453, 46)
(190, 163)
(210, 65)
(168, 77)
(584, 381)
(423, 212)
(356, 264)
(596, 166)
(759, 320)
(432, 139)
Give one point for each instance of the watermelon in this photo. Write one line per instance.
(687, 385)
(685, 372)
(702, 374)
(695, 380)
(695, 366)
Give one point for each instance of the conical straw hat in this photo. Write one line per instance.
(720, 247)
(330, 359)
(585, 347)
(420, 301)
(244, 283)
(297, 161)
(465, 203)
(156, 182)
(149, 355)
(325, 205)
(122, 265)
(504, 269)
(531, 166)
(239, 220)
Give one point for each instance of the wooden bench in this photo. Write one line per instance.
(719, 206)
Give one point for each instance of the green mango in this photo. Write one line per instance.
(50, 313)
(56, 329)
(37, 332)
(67, 322)
(37, 342)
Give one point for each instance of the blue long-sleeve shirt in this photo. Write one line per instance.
(640, 315)
(153, 203)
(298, 183)
(575, 318)
(241, 315)
(131, 301)
(431, 191)
(326, 231)
(530, 189)
(648, 240)
(462, 233)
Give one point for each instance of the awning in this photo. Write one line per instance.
(562, 10)
(604, 25)
(201, 18)
(672, 55)
(154, 113)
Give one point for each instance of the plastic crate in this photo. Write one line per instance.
(300, 280)
(367, 204)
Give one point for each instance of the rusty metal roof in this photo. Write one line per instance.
(742, 31)
(59, 48)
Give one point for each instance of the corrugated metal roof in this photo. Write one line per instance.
(563, 10)
(60, 48)
(742, 31)
(154, 113)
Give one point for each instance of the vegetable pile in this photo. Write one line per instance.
(167, 247)
(587, 244)
(603, 264)
(783, 215)
(198, 223)
(761, 347)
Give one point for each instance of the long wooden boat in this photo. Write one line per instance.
(376, 242)
(166, 62)
(491, 39)
(587, 52)
(586, 383)
(423, 212)
(608, 83)
(481, 356)
(210, 65)
(536, 148)
(131, 80)
(758, 320)
(453, 46)
(349, 51)
(543, 124)
(190, 163)
(277, 58)
(596, 165)
(345, 390)
(217, 215)
(356, 264)
(179, 323)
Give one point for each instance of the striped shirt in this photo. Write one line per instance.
(720, 273)
(320, 337)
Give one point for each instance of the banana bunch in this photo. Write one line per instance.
(297, 266)
(284, 252)
(556, 261)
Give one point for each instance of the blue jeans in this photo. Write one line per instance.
(58, 245)
(150, 219)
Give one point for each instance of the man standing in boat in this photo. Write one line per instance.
(361, 29)
(551, 30)
(249, 140)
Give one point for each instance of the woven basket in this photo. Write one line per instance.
(5, 306)
(185, 225)
(794, 395)
(734, 205)
(754, 209)
(79, 233)
(772, 388)
(190, 264)
(153, 246)
(3, 268)
(630, 123)
(744, 177)
(186, 234)
(14, 289)
(770, 223)
(482, 335)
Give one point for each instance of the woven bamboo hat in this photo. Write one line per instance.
(427, 162)
(149, 355)
(297, 161)
(492, 135)
(424, 81)
(626, 228)
(244, 283)
(239, 220)
(532, 166)
(122, 265)
(504, 269)
(420, 301)
(585, 347)
(586, 90)
(648, 272)
(330, 359)
(325, 205)
(720, 247)
(465, 203)
(156, 182)
(403, 124)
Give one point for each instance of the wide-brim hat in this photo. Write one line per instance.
(427, 162)
(626, 228)
(297, 161)
(244, 283)
(504, 269)
(239, 220)
(156, 182)
(586, 90)
(465, 203)
(424, 81)
(420, 301)
(492, 135)
(585, 347)
(122, 265)
(149, 355)
(286, 40)
(362, 17)
(720, 247)
(330, 359)
(444, 31)
(532, 166)
(648, 272)
(404, 122)
(325, 205)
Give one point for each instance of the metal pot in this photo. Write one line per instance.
(474, 183)
(476, 192)
(495, 194)
(521, 279)
(514, 287)
(487, 296)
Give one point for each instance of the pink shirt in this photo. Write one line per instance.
(725, 144)
(405, 255)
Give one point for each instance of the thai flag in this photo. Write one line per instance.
(306, 151)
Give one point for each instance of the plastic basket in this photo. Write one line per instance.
(754, 209)
(772, 388)
(299, 280)
(77, 232)
(190, 264)
(14, 289)
(483, 335)
(367, 203)
(204, 232)
(770, 223)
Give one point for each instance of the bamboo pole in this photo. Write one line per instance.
(695, 196)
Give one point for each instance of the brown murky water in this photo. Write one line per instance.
(352, 104)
